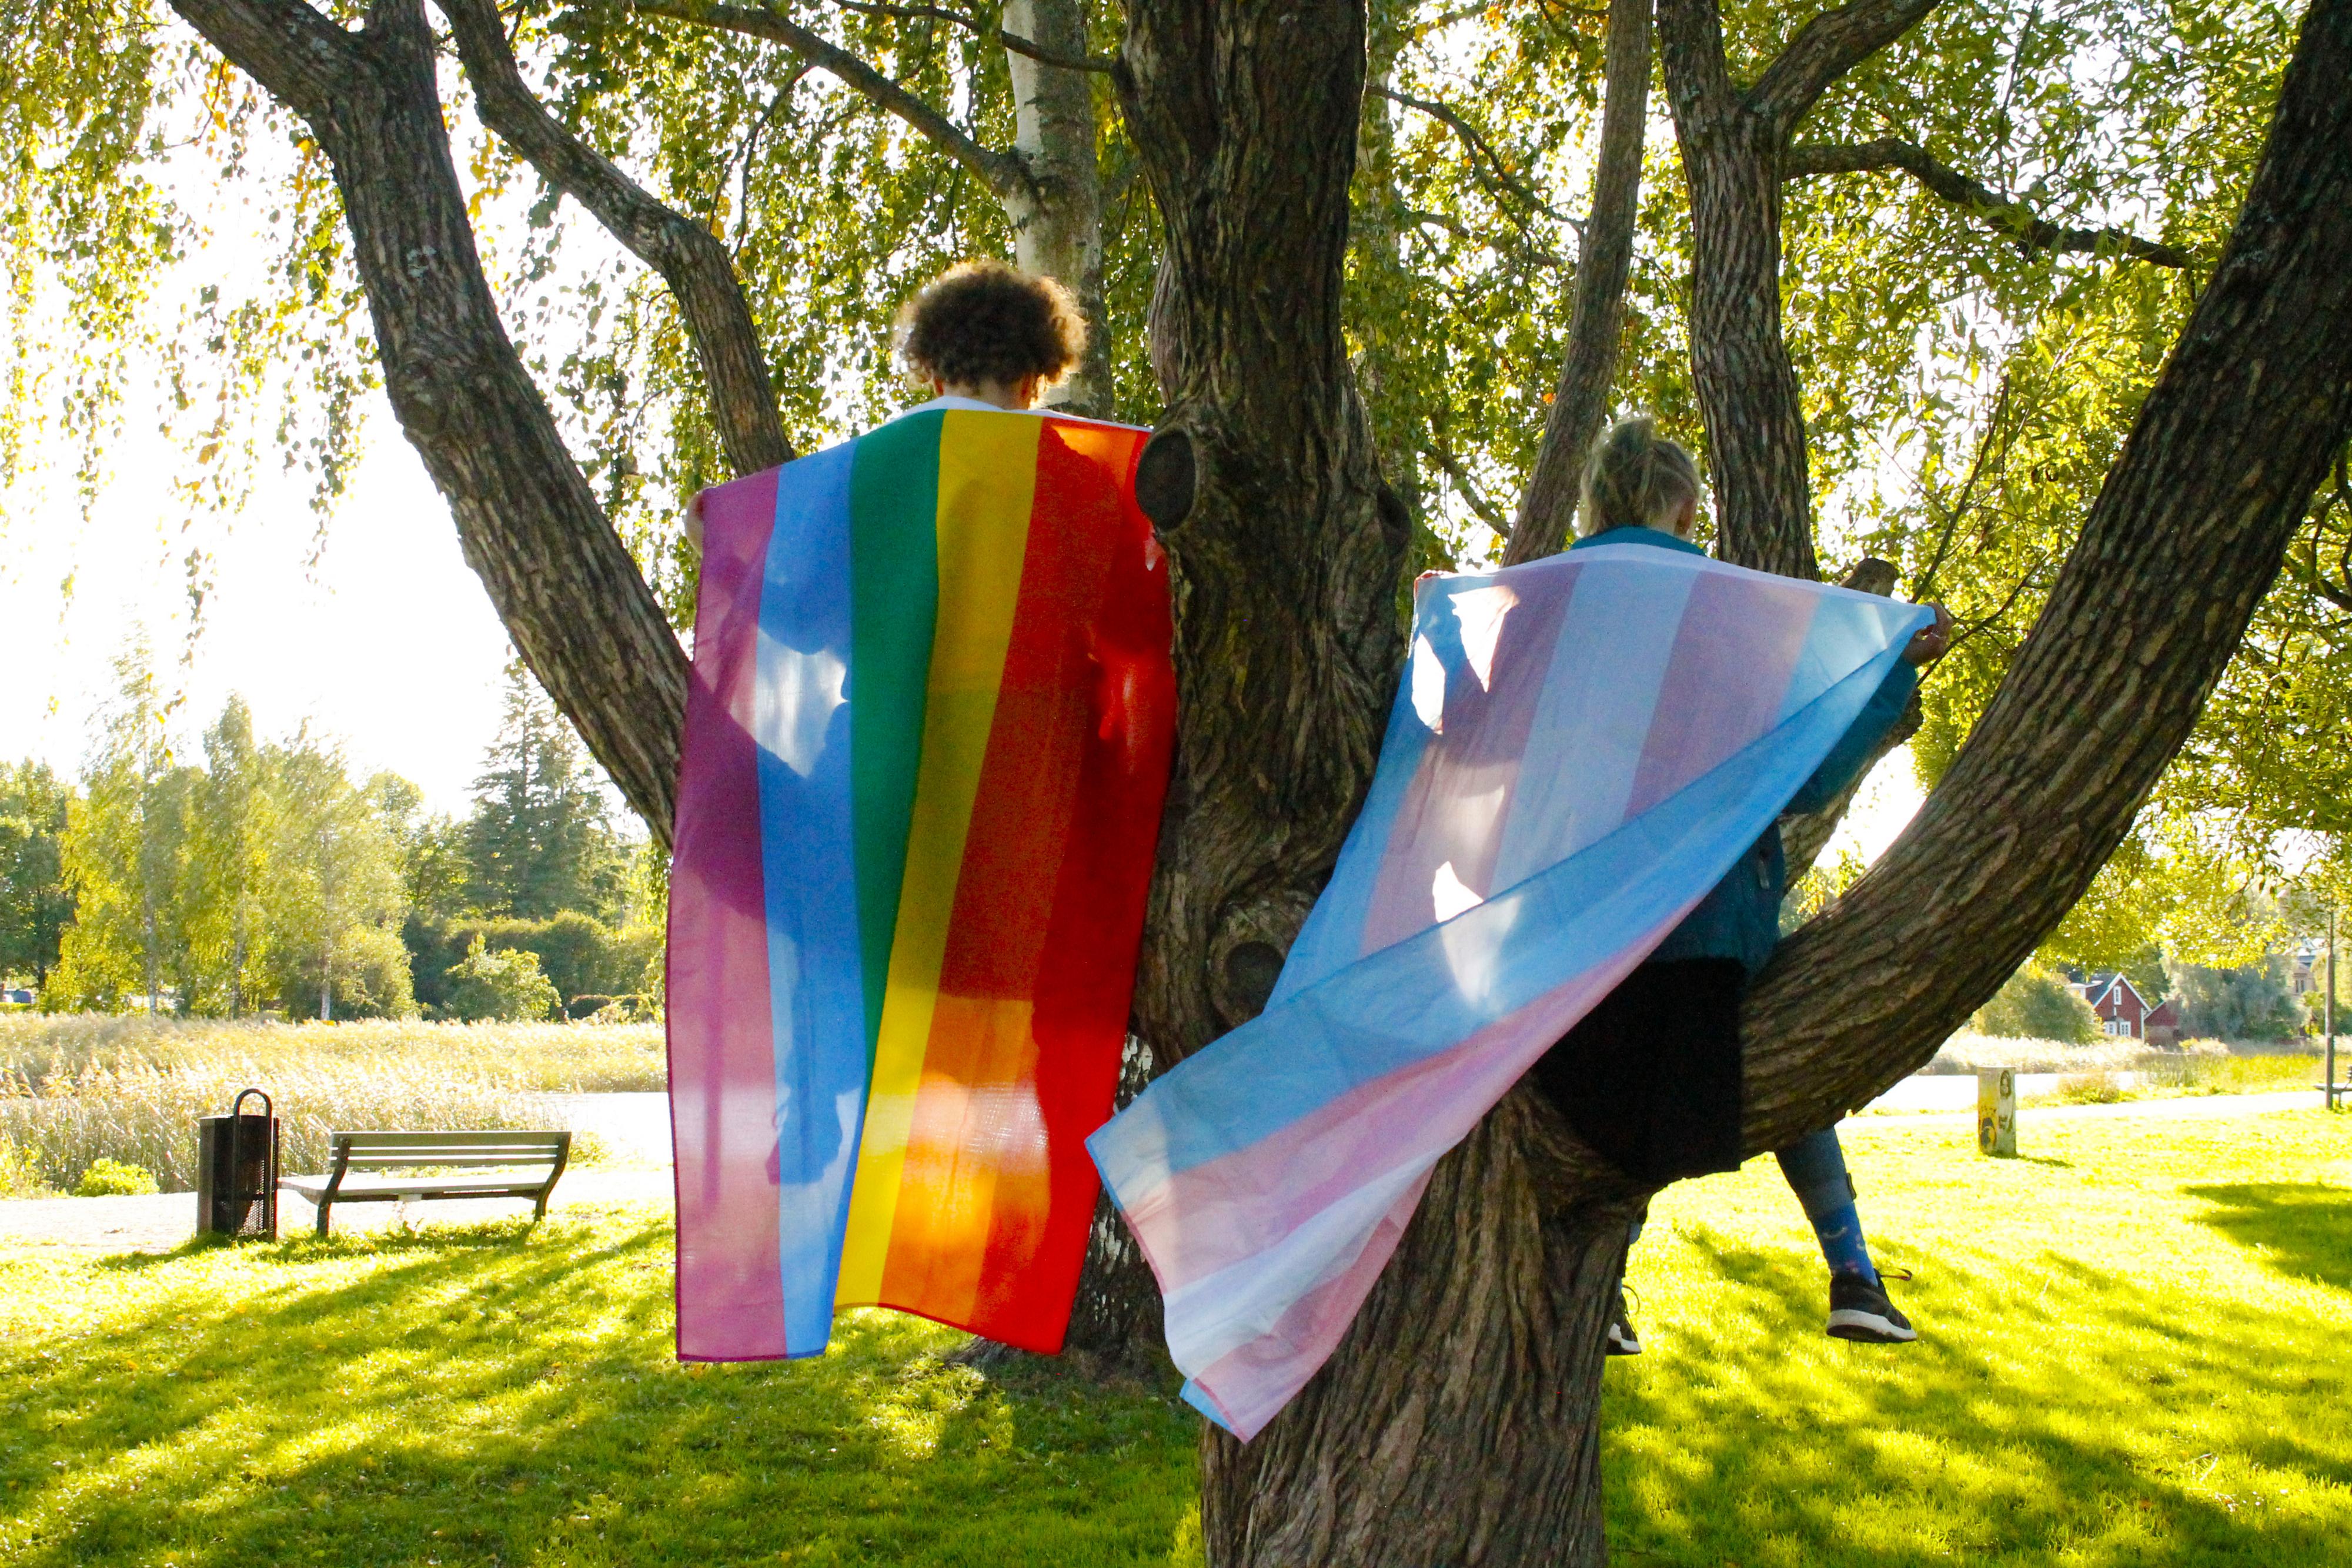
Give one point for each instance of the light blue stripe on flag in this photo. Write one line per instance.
(816, 992)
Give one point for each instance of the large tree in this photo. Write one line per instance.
(1457, 1423)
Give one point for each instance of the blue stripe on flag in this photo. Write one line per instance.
(815, 989)
(1333, 935)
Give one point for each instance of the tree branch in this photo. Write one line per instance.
(563, 583)
(1001, 171)
(689, 257)
(1474, 140)
(1485, 510)
(1824, 49)
(987, 33)
(301, 57)
(1589, 369)
(2006, 214)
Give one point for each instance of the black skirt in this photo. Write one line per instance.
(1651, 1077)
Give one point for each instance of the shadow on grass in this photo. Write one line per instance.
(500, 1394)
(2305, 1227)
(2011, 1442)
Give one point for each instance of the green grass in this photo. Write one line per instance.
(2138, 1350)
(502, 1396)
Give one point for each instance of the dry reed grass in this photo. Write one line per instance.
(1984, 1053)
(553, 1058)
(77, 1089)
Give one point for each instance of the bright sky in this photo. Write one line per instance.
(388, 642)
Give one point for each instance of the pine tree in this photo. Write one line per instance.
(541, 839)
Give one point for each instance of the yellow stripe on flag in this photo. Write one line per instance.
(988, 479)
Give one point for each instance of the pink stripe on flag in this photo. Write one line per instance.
(1454, 809)
(1250, 1383)
(1724, 682)
(723, 1070)
(1231, 1208)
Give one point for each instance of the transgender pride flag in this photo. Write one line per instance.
(1582, 748)
(926, 743)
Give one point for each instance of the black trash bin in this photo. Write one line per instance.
(236, 1171)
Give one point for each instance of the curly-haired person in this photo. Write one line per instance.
(979, 334)
(984, 333)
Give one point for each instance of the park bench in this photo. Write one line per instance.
(385, 1167)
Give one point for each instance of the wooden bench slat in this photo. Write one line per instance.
(499, 1138)
(454, 1161)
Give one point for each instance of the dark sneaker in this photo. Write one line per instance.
(1621, 1339)
(1859, 1310)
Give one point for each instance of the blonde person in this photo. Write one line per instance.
(1651, 1076)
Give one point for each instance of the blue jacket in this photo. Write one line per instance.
(1741, 918)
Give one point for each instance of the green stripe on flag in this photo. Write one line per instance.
(894, 595)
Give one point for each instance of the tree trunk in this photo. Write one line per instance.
(1589, 370)
(1458, 1423)
(1057, 219)
(1285, 568)
(1732, 141)
(1747, 388)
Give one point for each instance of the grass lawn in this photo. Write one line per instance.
(2138, 1351)
(2136, 1348)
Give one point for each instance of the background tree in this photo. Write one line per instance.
(539, 842)
(35, 906)
(336, 896)
(2249, 1003)
(2035, 1004)
(124, 856)
(233, 826)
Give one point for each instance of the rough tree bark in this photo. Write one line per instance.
(1285, 566)
(562, 580)
(1732, 142)
(1588, 370)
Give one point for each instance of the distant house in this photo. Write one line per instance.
(2126, 1014)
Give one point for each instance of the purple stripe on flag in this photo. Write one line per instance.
(1726, 679)
(723, 1070)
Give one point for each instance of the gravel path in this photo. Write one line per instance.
(162, 1221)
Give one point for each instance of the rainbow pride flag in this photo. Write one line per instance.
(1582, 748)
(927, 739)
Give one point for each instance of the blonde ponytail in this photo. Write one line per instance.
(1636, 479)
